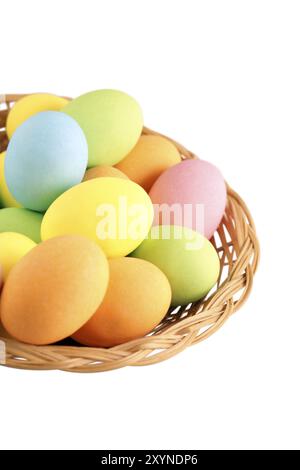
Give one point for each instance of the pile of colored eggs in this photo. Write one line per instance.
(102, 229)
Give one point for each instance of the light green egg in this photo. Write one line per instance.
(112, 122)
(188, 259)
(24, 221)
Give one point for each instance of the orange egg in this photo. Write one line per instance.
(103, 170)
(151, 156)
(3, 333)
(137, 299)
(54, 289)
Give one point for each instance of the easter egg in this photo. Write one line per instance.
(151, 156)
(137, 299)
(6, 199)
(196, 190)
(13, 246)
(1, 277)
(112, 122)
(188, 259)
(30, 105)
(54, 290)
(103, 170)
(116, 213)
(25, 221)
(4, 334)
(46, 156)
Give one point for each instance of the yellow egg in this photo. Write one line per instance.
(116, 213)
(137, 299)
(54, 290)
(13, 246)
(30, 105)
(6, 198)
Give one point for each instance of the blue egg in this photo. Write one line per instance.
(46, 155)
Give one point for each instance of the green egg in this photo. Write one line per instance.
(112, 122)
(24, 221)
(187, 258)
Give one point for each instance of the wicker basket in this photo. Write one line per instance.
(238, 248)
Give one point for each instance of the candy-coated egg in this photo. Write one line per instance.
(25, 221)
(151, 156)
(6, 199)
(54, 290)
(197, 191)
(30, 105)
(137, 299)
(188, 259)
(103, 170)
(46, 156)
(13, 246)
(116, 213)
(112, 122)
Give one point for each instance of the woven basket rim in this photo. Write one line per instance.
(238, 247)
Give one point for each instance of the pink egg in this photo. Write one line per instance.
(191, 194)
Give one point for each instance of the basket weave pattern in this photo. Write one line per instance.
(238, 248)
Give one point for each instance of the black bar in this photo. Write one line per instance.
(95, 459)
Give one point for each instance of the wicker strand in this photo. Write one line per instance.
(238, 248)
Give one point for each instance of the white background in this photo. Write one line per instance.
(222, 77)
